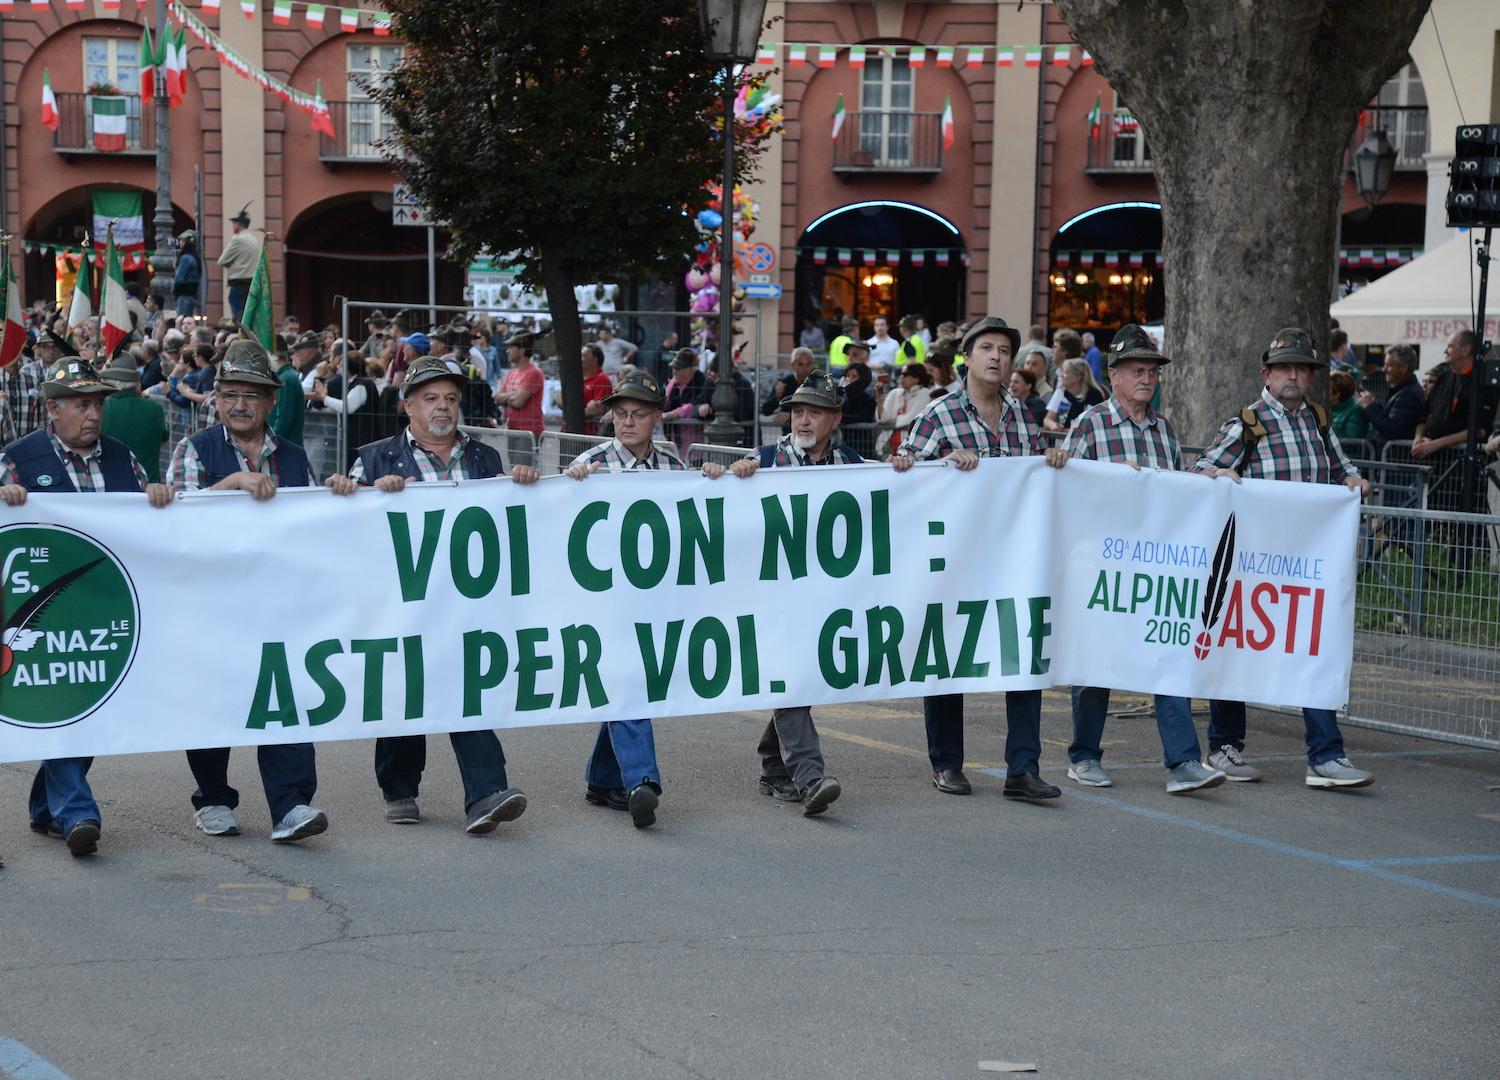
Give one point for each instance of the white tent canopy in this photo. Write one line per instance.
(1421, 303)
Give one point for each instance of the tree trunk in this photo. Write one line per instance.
(1249, 108)
(567, 331)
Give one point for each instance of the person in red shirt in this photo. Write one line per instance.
(521, 392)
(596, 387)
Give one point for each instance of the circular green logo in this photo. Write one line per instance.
(69, 624)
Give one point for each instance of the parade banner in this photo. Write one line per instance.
(222, 621)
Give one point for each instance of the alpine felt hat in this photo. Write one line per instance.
(637, 386)
(1133, 343)
(820, 389)
(991, 324)
(1291, 345)
(246, 361)
(426, 370)
(72, 376)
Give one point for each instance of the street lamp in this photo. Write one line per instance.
(164, 263)
(1374, 162)
(731, 31)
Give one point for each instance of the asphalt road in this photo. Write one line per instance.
(1258, 930)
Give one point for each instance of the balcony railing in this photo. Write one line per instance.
(75, 126)
(1121, 146)
(1404, 125)
(357, 126)
(889, 142)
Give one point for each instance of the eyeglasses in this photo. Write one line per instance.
(633, 417)
(245, 399)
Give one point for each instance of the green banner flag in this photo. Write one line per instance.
(257, 320)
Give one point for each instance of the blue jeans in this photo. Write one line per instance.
(1226, 727)
(400, 760)
(238, 294)
(624, 756)
(944, 717)
(1174, 722)
(60, 793)
(187, 304)
(288, 773)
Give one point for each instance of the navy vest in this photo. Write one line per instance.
(34, 458)
(394, 456)
(220, 460)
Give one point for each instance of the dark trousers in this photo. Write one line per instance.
(400, 760)
(239, 292)
(1226, 727)
(944, 715)
(288, 772)
(789, 747)
(60, 793)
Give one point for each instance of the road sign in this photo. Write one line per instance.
(405, 210)
(760, 279)
(762, 258)
(758, 291)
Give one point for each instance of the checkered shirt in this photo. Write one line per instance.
(788, 453)
(1293, 448)
(952, 423)
(8, 430)
(613, 457)
(187, 472)
(1105, 432)
(84, 470)
(21, 382)
(429, 465)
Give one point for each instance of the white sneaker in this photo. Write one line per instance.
(1228, 761)
(216, 821)
(1337, 773)
(300, 823)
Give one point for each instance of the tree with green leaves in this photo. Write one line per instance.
(578, 134)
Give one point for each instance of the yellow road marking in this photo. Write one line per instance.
(251, 898)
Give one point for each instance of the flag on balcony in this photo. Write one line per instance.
(116, 325)
(147, 65)
(322, 120)
(916, 56)
(918, 258)
(49, 102)
(820, 256)
(1125, 123)
(109, 121)
(122, 210)
(1061, 55)
(765, 54)
(1005, 56)
(947, 121)
(349, 19)
(838, 116)
(945, 56)
(828, 55)
(1094, 117)
(281, 12)
(14, 335)
(856, 56)
(796, 55)
(258, 318)
(1033, 56)
(177, 67)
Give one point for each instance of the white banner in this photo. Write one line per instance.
(221, 621)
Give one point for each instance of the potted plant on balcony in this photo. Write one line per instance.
(107, 107)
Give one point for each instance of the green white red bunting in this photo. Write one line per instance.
(797, 54)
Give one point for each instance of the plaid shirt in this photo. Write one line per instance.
(1292, 449)
(1105, 432)
(429, 465)
(8, 430)
(788, 453)
(187, 473)
(84, 470)
(613, 457)
(952, 423)
(21, 382)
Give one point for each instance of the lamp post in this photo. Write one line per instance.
(164, 265)
(731, 30)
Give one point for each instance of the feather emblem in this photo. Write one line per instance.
(1218, 578)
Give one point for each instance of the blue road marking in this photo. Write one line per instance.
(1375, 867)
(21, 1063)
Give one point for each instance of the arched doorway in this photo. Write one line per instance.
(347, 246)
(1105, 270)
(881, 258)
(63, 223)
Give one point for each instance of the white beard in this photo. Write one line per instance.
(804, 442)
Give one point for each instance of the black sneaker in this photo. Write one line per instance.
(821, 792)
(494, 808)
(612, 797)
(46, 828)
(780, 787)
(83, 838)
(642, 805)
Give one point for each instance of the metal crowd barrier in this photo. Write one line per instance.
(698, 453)
(516, 447)
(1427, 626)
(557, 449)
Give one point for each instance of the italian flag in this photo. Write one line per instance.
(975, 56)
(121, 210)
(14, 335)
(797, 55)
(947, 121)
(382, 24)
(916, 56)
(1061, 55)
(116, 322)
(1094, 118)
(49, 102)
(1005, 56)
(177, 67)
(945, 56)
(80, 310)
(315, 15)
(281, 12)
(248, 7)
(321, 119)
(349, 19)
(211, 5)
(828, 55)
(1033, 56)
(838, 116)
(109, 121)
(765, 54)
(856, 56)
